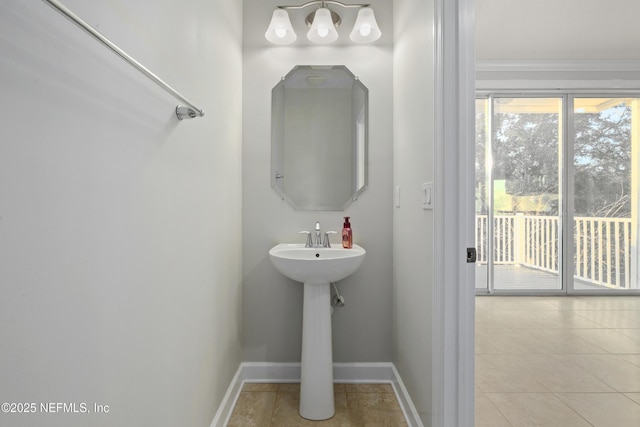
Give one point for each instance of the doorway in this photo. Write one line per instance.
(556, 194)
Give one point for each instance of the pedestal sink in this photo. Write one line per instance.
(316, 268)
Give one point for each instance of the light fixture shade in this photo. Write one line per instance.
(322, 29)
(280, 30)
(366, 29)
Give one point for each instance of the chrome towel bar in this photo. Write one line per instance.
(182, 112)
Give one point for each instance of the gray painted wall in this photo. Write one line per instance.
(272, 304)
(120, 258)
(413, 233)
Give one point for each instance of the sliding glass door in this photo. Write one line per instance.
(518, 218)
(605, 134)
(545, 164)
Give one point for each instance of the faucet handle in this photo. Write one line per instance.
(309, 243)
(326, 243)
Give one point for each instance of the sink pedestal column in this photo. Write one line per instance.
(316, 377)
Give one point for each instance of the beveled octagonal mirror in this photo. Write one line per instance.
(319, 138)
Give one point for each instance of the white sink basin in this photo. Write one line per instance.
(316, 265)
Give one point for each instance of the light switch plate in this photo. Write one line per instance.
(427, 195)
(396, 196)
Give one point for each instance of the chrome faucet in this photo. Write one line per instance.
(309, 243)
(318, 241)
(326, 243)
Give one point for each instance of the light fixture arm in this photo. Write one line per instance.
(322, 3)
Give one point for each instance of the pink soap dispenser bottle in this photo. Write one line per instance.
(347, 235)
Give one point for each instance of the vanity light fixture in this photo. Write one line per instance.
(322, 24)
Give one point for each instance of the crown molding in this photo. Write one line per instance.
(613, 65)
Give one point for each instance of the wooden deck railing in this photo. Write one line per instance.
(602, 246)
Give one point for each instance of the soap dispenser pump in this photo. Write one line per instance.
(347, 234)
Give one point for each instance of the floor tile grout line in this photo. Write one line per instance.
(348, 406)
(501, 413)
(572, 409)
(557, 392)
(273, 407)
(627, 397)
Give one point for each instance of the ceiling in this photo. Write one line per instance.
(557, 29)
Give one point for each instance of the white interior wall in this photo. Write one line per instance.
(120, 248)
(557, 30)
(272, 304)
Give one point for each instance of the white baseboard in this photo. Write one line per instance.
(259, 372)
(229, 400)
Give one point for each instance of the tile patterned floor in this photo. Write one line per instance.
(357, 405)
(558, 361)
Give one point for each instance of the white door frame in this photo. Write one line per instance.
(454, 285)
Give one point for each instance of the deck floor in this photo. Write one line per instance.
(514, 277)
